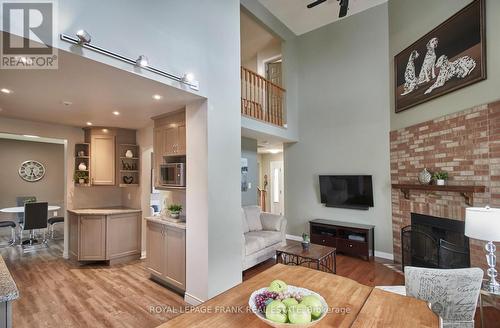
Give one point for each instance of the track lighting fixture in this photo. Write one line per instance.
(83, 39)
(83, 36)
(142, 61)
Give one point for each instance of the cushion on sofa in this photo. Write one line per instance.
(258, 240)
(252, 214)
(270, 221)
(244, 222)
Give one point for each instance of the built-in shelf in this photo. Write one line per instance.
(170, 188)
(128, 184)
(466, 191)
(129, 171)
(82, 155)
(136, 158)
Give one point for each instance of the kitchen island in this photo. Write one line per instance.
(105, 234)
(8, 293)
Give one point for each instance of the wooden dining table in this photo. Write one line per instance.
(351, 303)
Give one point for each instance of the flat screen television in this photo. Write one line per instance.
(346, 191)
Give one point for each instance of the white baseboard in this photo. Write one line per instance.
(65, 255)
(143, 255)
(293, 237)
(192, 300)
(383, 255)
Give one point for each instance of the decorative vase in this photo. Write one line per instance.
(424, 177)
(174, 215)
(81, 181)
(82, 167)
(305, 245)
(440, 182)
(81, 153)
(129, 154)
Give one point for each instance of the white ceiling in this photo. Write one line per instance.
(254, 37)
(95, 91)
(295, 15)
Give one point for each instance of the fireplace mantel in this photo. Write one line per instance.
(466, 191)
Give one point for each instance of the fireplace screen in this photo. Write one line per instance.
(432, 242)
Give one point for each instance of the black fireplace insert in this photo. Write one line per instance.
(433, 242)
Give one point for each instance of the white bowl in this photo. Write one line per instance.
(291, 289)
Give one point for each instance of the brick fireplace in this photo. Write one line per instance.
(466, 145)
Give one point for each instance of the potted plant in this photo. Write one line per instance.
(440, 178)
(306, 241)
(174, 210)
(81, 177)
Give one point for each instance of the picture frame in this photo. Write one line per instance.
(450, 57)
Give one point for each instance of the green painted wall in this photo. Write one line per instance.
(408, 21)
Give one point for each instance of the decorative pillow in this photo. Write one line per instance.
(244, 222)
(271, 222)
(252, 214)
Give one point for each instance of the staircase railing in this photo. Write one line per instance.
(261, 99)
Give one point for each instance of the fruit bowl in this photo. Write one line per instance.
(291, 289)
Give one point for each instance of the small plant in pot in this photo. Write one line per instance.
(440, 178)
(306, 241)
(81, 177)
(174, 210)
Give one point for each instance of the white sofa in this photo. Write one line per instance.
(263, 233)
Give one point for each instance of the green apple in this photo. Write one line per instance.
(277, 286)
(276, 311)
(314, 305)
(299, 314)
(290, 301)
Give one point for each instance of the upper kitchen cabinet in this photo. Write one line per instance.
(170, 134)
(103, 154)
(110, 157)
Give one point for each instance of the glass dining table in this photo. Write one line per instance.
(20, 209)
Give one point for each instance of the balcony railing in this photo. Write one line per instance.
(261, 99)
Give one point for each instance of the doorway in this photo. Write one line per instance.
(277, 186)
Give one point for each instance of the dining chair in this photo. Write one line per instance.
(35, 217)
(451, 293)
(12, 225)
(20, 201)
(53, 221)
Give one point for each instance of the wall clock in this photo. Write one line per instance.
(31, 171)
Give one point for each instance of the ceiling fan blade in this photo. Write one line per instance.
(315, 3)
(344, 7)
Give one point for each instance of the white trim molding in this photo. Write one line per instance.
(192, 300)
(293, 237)
(384, 255)
(143, 255)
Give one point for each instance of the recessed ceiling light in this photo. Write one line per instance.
(116, 113)
(89, 123)
(30, 136)
(157, 97)
(105, 130)
(275, 151)
(7, 91)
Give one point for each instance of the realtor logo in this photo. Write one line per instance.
(28, 36)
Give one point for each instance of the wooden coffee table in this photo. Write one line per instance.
(317, 257)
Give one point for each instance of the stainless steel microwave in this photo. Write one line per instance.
(173, 175)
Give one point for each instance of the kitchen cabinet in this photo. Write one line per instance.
(112, 235)
(169, 140)
(103, 154)
(166, 253)
(92, 238)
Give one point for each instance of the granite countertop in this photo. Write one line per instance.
(103, 211)
(160, 220)
(8, 288)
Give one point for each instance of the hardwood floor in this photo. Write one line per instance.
(60, 293)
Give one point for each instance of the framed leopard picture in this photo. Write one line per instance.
(448, 58)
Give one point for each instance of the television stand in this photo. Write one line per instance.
(348, 238)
